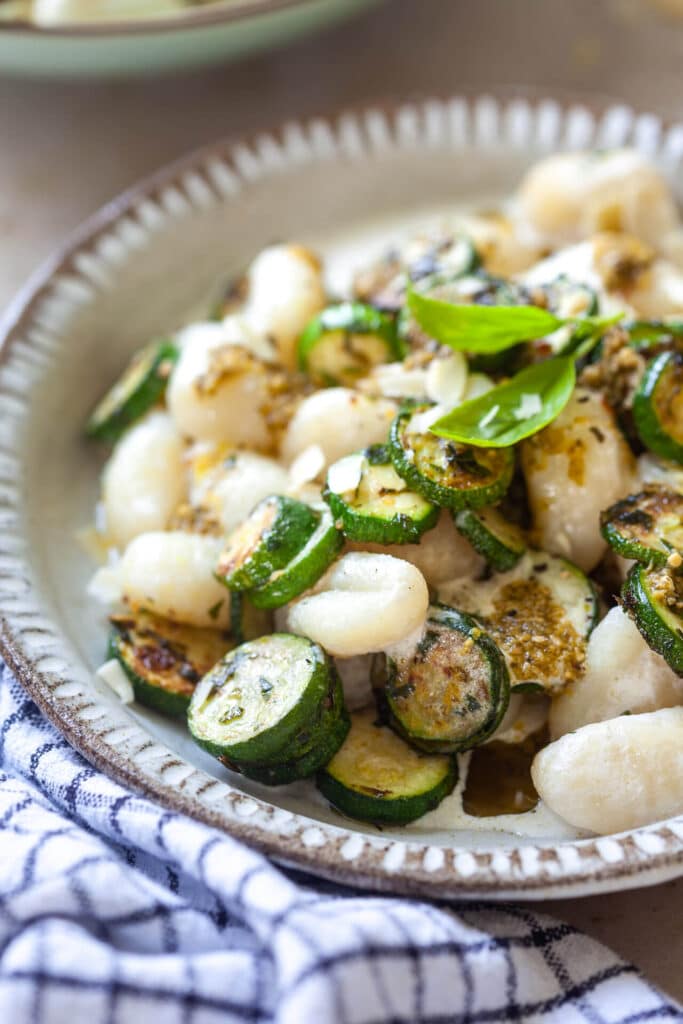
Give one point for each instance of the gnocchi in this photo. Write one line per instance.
(218, 390)
(573, 469)
(142, 483)
(365, 603)
(171, 573)
(285, 291)
(637, 778)
(351, 569)
(339, 420)
(623, 677)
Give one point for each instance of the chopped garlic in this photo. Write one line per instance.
(116, 679)
(106, 584)
(345, 474)
(446, 379)
(307, 466)
(477, 385)
(422, 421)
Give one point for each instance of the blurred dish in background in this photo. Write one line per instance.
(121, 37)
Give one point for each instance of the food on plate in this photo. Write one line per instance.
(62, 12)
(422, 540)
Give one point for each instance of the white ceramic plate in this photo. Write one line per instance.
(200, 36)
(142, 266)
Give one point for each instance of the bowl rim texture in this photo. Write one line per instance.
(106, 735)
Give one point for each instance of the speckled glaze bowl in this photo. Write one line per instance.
(200, 36)
(143, 265)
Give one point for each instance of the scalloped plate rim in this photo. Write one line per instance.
(601, 871)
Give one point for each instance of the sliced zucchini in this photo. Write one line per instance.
(316, 746)
(500, 542)
(142, 385)
(305, 569)
(652, 336)
(540, 614)
(658, 406)
(450, 258)
(375, 776)
(262, 701)
(247, 622)
(344, 342)
(568, 298)
(276, 530)
(447, 473)
(654, 600)
(450, 692)
(163, 660)
(647, 526)
(373, 503)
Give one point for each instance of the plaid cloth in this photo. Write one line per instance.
(114, 911)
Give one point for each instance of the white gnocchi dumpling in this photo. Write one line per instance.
(569, 196)
(503, 244)
(355, 675)
(623, 676)
(235, 484)
(286, 290)
(143, 482)
(340, 421)
(615, 775)
(171, 574)
(218, 389)
(575, 468)
(364, 603)
(442, 554)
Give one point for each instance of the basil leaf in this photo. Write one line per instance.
(514, 410)
(481, 329)
(485, 330)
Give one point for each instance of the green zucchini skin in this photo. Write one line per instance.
(452, 691)
(375, 776)
(381, 509)
(545, 597)
(141, 386)
(567, 297)
(647, 526)
(448, 474)
(164, 661)
(654, 336)
(247, 622)
(654, 600)
(305, 569)
(259, 703)
(501, 543)
(315, 748)
(274, 533)
(345, 341)
(658, 406)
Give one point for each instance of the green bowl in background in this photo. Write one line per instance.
(211, 34)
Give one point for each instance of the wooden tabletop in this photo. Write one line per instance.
(65, 148)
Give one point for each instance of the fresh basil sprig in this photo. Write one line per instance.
(513, 410)
(491, 329)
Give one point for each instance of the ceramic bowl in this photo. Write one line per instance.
(202, 36)
(142, 266)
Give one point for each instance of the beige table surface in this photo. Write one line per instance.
(66, 148)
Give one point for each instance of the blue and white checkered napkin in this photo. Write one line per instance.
(114, 911)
